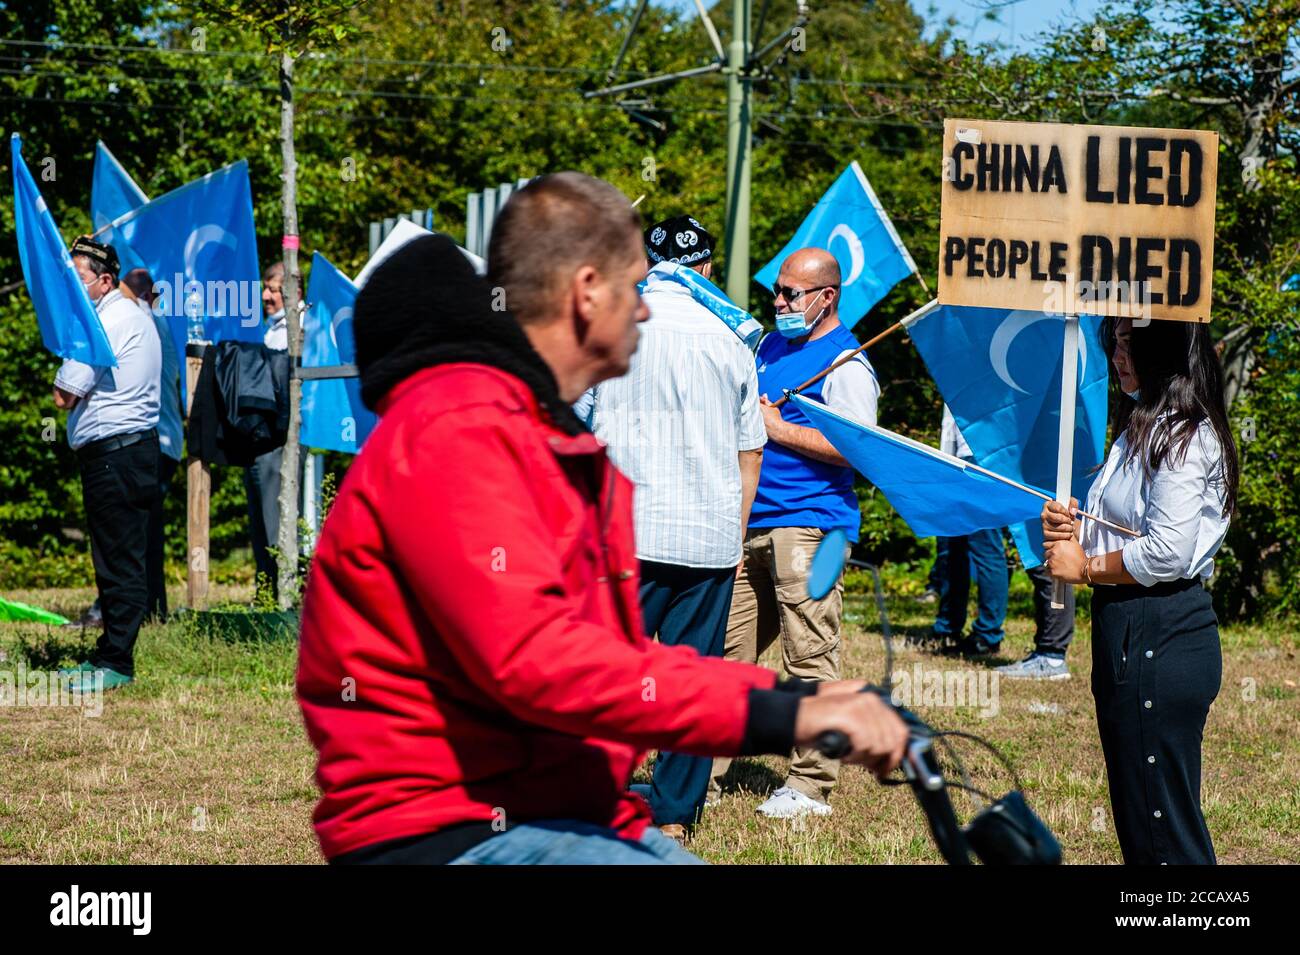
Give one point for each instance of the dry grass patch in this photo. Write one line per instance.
(204, 760)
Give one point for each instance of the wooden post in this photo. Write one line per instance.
(198, 486)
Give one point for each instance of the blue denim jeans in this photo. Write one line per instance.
(570, 842)
(983, 552)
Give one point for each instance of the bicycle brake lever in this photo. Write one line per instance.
(916, 766)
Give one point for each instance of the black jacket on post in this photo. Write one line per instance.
(241, 403)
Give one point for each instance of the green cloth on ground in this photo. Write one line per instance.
(14, 610)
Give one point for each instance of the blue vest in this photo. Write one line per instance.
(794, 490)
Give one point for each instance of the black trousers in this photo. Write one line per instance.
(1156, 668)
(119, 489)
(262, 485)
(155, 555)
(1053, 629)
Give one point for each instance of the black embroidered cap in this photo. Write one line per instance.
(680, 239)
(105, 255)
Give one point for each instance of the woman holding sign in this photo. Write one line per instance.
(1156, 661)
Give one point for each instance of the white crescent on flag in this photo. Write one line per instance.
(1013, 325)
(856, 256)
(341, 316)
(202, 236)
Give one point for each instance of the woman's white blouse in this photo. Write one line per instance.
(1178, 510)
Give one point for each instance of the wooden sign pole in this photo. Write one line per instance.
(198, 493)
(1065, 436)
(1074, 220)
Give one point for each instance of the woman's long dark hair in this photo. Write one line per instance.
(1178, 372)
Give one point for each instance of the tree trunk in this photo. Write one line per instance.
(1266, 89)
(289, 469)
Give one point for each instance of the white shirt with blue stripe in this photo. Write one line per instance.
(675, 423)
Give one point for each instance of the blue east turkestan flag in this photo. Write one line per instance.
(936, 493)
(112, 191)
(70, 326)
(1000, 373)
(850, 223)
(199, 246)
(333, 417)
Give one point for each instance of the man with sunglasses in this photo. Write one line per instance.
(805, 488)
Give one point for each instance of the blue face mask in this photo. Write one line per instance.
(791, 325)
(795, 324)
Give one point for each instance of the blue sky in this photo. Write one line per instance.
(1016, 23)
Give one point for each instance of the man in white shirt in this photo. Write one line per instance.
(262, 479)
(113, 428)
(138, 285)
(684, 424)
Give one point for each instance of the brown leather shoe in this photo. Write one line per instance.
(676, 832)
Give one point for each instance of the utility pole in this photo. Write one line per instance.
(739, 154)
(742, 66)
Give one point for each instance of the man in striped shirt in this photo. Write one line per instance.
(684, 425)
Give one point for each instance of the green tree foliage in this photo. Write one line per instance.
(426, 102)
(1229, 66)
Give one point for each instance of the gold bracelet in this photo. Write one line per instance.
(1087, 570)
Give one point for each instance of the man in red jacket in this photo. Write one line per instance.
(473, 670)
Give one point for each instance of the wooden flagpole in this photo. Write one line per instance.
(903, 323)
(198, 495)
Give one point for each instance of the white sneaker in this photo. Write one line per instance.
(1036, 666)
(787, 803)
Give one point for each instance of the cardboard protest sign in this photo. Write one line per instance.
(1102, 220)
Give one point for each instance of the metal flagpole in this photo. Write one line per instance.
(1037, 493)
(1065, 439)
(967, 465)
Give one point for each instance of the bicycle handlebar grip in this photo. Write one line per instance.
(833, 744)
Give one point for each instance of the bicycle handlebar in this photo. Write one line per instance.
(924, 776)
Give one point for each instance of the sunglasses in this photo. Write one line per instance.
(793, 293)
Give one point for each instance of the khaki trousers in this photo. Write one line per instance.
(771, 599)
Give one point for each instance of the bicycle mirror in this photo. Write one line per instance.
(827, 563)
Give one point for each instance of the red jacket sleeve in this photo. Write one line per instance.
(461, 494)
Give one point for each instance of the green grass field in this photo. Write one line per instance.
(204, 759)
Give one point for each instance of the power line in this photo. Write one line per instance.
(273, 88)
(496, 101)
(57, 45)
(821, 108)
(470, 67)
(85, 102)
